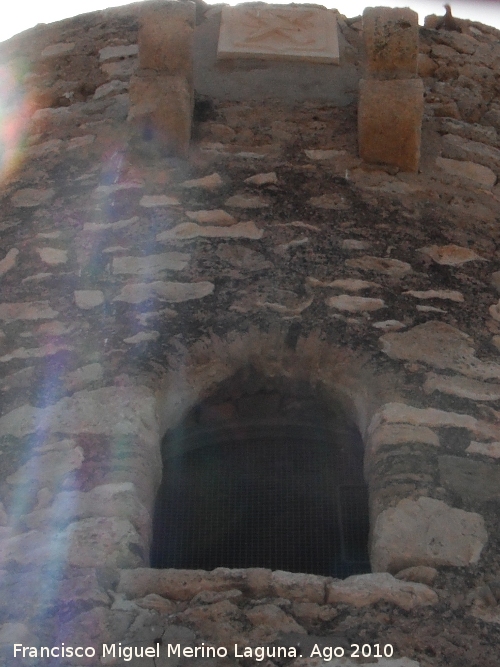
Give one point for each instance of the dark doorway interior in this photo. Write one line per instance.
(263, 474)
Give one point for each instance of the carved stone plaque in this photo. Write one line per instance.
(279, 32)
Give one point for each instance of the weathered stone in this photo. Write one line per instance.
(88, 299)
(330, 202)
(101, 542)
(347, 284)
(458, 148)
(190, 230)
(212, 217)
(389, 267)
(391, 42)
(118, 52)
(35, 352)
(457, 385)
(9, 261)
(81, 377)
(60, 49)
(243, 258)
(426, 66)
(121, 68)
(365, 589)
(246, 201)
(426, 532)
(166, 37)
(477, 173)
(271, 620)
(398, 434)
(420, 574)
(441, 346)
(471, 480)
(318, 154)
(389, 325)
(151, 264)
(107, 500)
(29, 197)
(114, 87)
(142, 337)
(390, 122)
(80, 142)
(491, 449)
(269, 178)
(354, 304)
(162, 106)
(354, 244)
(212, 182)
(48, 468)
(279, 33)
(53, 256)
(451, 255)
(109, 226)
(451, 295)
(494, 311)
(299, 587)
(164, 291)
(154, 201)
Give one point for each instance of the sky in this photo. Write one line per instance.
(19, 16)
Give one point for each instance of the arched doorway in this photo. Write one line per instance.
(263, 473)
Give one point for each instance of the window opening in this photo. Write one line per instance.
(263, 476)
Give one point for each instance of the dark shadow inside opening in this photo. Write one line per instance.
(263, 474)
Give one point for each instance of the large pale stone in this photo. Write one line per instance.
(87, 299)
(441, 346)
(165, 291)
(451, 254)
(48, 468)
(456, 385)
(471, 480)
(390, 122)
(166, 37)
(161, 106)
(118, 52)
(299, 587)
(29, 197)
(391, 42)
(390, 267)
(28, 310)
(477, 173)
(101, 542)
(9, 261)
(365, 589)
(458, 148)
(190, 230)
(169, 261)
(354, 304)
(60, 49)
(279, 33)
(426, 532)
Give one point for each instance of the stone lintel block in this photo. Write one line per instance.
(391, 42)
(279, 32)
(390, 122)
(162, 108)
(166, 32)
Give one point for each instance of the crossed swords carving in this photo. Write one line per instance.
(291, 28)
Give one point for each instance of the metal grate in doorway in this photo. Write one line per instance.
(274, 495)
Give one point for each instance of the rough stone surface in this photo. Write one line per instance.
(426, 532)
(365, 589)
(391, 42)
(390, 122)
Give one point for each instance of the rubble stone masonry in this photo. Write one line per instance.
(150, 252)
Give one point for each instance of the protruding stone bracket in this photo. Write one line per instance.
(161, 91)
(391, 97)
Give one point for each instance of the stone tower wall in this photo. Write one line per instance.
(134, 284)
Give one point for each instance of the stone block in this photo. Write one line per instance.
(426, 532)
(277, 32)
(391, 42)
(166, 37)
(162, 108)
(390, 122)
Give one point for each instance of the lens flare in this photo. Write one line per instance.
(14, 116)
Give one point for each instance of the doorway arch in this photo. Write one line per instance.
(263, 472)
